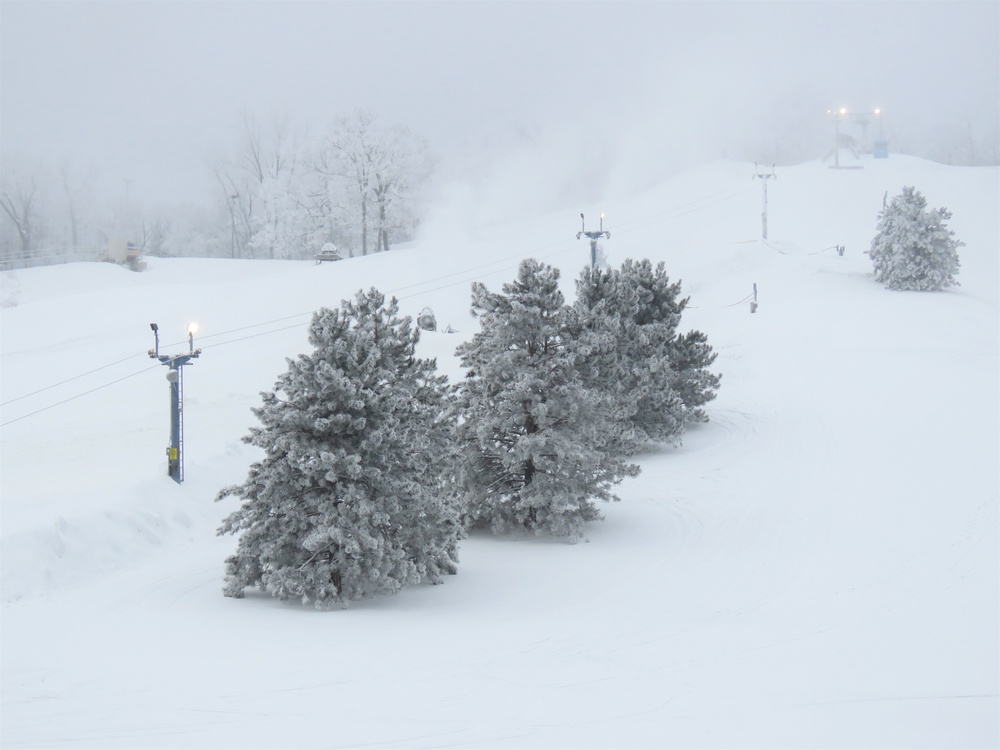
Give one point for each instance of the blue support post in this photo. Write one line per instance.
(174, 449)
(593, 237)
(175, 376)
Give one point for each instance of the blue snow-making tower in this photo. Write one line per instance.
(175, 377)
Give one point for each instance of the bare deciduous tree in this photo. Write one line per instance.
(18, 201)
(266, 155)
(380, 168)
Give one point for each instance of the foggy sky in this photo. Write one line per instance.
(151, 91)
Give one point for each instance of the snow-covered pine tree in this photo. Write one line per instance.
(659, 314)
(637, 310)
(913, 249)
(531, 430)
(690, 357)
(599, 360)
(354, 496)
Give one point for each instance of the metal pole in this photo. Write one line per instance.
(836, 142)
(764, 214)
(174, 375)
(593, 237)
(232, 224)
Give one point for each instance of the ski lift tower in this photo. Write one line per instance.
(175, 376)
(858, 118)
(764, 177)
(593, 237)
(838, 115)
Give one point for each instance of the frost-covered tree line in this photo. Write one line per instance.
(278, 193)
(375, 467)
(355, 185)
(51, 213)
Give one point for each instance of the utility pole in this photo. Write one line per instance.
(175, 376)
(593, 237)
(232, 223)
(764, 177)
(837, 117)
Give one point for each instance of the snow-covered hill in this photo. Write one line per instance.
(815, 567)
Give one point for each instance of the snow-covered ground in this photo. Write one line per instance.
(815, 567)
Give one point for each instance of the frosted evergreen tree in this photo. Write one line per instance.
(531, 430)
(690, 357)
(354, 496)
(633, 313)
(601, 362)
(913, 249)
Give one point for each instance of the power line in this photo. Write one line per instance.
(255, 335)
(254, 325)
(682, 210)
(69, 380)
(72, 398)
(642, 222)
(626, 227)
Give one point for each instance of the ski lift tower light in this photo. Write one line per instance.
(593, 237)
(175, 376)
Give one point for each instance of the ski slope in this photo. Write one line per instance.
(815, 567)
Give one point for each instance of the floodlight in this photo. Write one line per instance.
(192, 329)
(153, 327)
